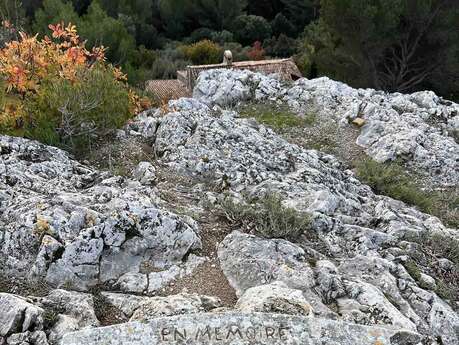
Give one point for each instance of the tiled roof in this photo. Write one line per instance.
(166, 90)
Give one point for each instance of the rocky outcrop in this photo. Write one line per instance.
(73, 226)
(418, 128)
(354, 270)
(43, 320)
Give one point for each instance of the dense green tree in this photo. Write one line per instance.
(301, 12)
(281, 25)
(218, 14)
(137, 17)
(30, 6)
(52, 12)
(174, 16)
(250, 28)
(282, 46)
(265, 8)
(397, 45)
(81, 6)
(100, 29)
(139, 9)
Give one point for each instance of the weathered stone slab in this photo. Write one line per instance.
(241, 329)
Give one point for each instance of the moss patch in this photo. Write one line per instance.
(277, 117)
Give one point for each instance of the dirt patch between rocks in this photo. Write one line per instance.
(23, 287)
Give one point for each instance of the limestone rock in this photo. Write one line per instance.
(249, 261)
(145, 173)
(155, 307)
(27, 338)
(18, 315)
(276, 298)
(74, 311)
(355, 236)
(124, 302)
(242, 329)
(415, 127)
(89, 228)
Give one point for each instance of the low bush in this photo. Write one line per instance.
(267, 217)
(392, 180)
(256, 52)
(74, 114)
(59, 92)
(203, 52)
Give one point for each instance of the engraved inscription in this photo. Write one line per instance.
(218, 334)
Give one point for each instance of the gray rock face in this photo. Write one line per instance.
(417, 128)
(242, 329)
(276, 297)
(74, 311)
(155, 307)
(39, 320)
(355, 269)
(71, 225)
(17, 315)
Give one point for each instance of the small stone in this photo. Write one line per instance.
(358, 121)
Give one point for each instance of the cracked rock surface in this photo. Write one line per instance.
(73, 226)
(418, 128)
(77, 228)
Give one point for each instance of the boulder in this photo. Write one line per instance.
(276, 297)
(18, 315)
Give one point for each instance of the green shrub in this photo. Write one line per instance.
(283, 46)
(392, 180)
(74, 114)
(204, 52)
(267, 217)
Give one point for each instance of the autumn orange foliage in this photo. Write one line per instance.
(256, 52)
(29, 63)
(25, 63)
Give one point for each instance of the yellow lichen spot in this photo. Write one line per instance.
(359, 122)
(41, 226)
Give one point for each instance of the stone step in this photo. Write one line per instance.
(242, 329)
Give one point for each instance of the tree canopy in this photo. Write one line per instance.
(394, 45)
